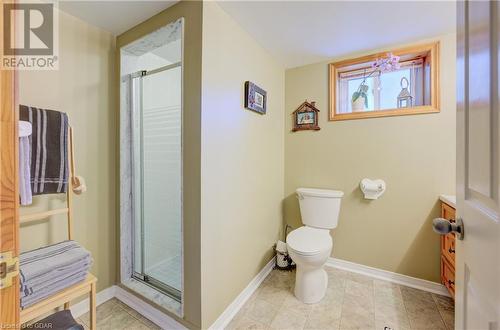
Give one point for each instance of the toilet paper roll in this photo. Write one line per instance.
(371, 186)
(281, 247)
(372, 189)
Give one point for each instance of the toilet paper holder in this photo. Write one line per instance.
(372, 189)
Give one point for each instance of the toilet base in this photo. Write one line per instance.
(310, 284)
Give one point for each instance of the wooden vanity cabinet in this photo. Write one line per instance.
(448, 251)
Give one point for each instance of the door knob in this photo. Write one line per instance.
(443, 227)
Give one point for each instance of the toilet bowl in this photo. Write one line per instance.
(310, 248)
(311, 245)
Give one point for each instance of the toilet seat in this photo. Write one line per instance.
(308, 241)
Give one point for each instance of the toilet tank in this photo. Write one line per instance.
(319, 208)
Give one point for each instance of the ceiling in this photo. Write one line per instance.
(303, 32)
(114, 16)
(297, 32)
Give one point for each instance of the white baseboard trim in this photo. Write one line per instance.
(101, 297)
(388, 276)
(231, 310)
(155, 315)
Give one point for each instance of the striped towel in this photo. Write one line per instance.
(49, 149)
(38, 290)
(50, 269)
(28, 287)
(39, 262)
(50, 290)
(48, 263)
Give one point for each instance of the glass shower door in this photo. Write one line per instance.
(157, 144)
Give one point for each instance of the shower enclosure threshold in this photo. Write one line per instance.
(159, 285)
(155, 295)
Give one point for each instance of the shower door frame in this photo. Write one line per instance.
(143, 276)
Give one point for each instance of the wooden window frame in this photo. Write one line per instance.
(434, 107)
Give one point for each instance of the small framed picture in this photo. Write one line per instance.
(306, 117)
(255, 98)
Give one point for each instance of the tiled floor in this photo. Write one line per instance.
(114, 314)
(352, 301)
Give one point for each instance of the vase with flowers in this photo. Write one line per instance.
(359, 99)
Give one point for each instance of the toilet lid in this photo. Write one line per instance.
(307, 240)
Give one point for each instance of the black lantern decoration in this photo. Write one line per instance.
(405, 100)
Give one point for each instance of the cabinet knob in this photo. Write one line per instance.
(450, 282)
(450, 250)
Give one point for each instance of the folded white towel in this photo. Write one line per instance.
(25, 128)
(25, 192)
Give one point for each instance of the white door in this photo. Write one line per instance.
(478, 254)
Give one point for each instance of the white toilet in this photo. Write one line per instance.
(310, 246)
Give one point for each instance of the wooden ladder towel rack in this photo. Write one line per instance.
(88, 286)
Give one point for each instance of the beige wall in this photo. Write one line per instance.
(242, 161)
(82, 87)
(415, 155)
(249, 161)
(192, 13)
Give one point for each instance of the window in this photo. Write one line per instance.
(394, 83)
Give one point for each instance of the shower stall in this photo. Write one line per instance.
(157, 172)
(151, 153)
